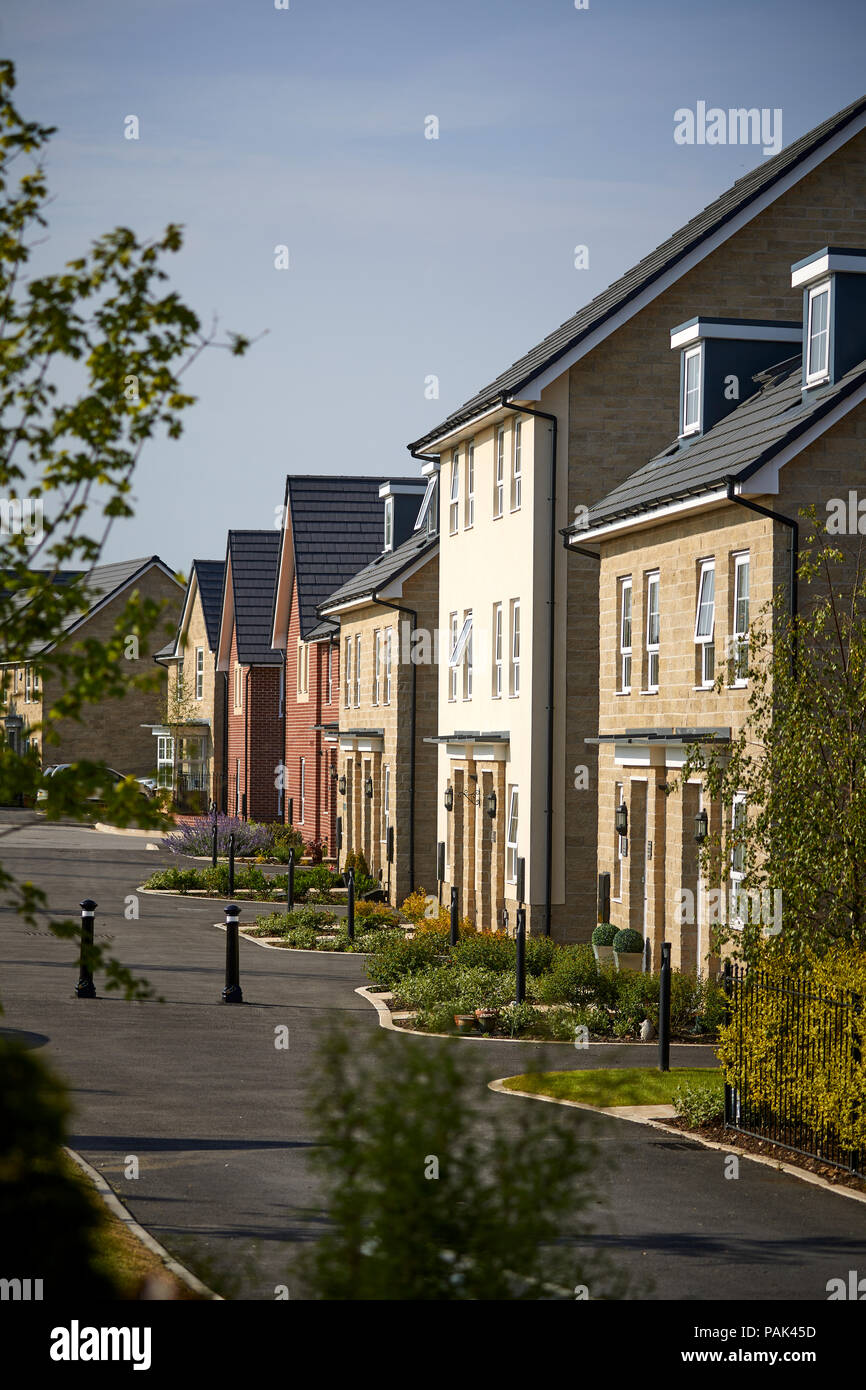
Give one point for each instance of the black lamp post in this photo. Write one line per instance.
(491, 805)
(449, 798)
(620, 819)
(702, 826)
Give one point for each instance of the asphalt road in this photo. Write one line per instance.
(215, 1113)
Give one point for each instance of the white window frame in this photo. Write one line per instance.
(357, 670)
(741, 634)
(303, 683)
(706, 639)
(302, 789)
(512, 832)
(652, 647)
(692, 425)
(330, 672)
(514, 663)
(164, 759)
(347, 676)
(625, 648)
(199, 673)
(386, 799)
(736, 875)
(517, 467)
(428, 514)
(497, 652)
(388, 660)
(377, 662)
(470, 484)
(813, 376)
(620, 851)
(454, 495)
(178, 688)
(239, 686)
(28, 685)
(389, 524)
(499, 479)
(452, 668)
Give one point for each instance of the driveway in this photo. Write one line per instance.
(215, 1114)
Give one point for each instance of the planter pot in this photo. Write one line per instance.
(465, 1022)
(486, 1019)
(629, 960)
(602, 953)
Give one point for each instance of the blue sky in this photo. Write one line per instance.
(409, 256)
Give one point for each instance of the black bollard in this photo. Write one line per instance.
(213, 858)
(455, 917)
(231, 864)
(665, 1009)
(232, 992)
(350, 918)
(85, 989)
(520, 972)
(290, 882)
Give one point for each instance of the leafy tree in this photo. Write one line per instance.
(800, 760)
(92, 360)
(432, 1196)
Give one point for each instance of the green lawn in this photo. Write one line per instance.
(620, 1086)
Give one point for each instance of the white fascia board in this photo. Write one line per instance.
(638, 523)
(766, 480)
(394, 589)
(227, 618)
(804, 274)
(285, 583)
(455, 436)
(737, 332)
(533, 388)
(394, 489)
(428, 469)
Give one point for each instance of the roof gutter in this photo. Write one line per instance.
(412, 613)
(551, 636)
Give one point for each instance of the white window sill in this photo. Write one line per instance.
(653, 691)
(821, 380)
(704, 687)
(624, 692)
(738, 685)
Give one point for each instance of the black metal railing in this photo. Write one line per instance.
(804, 1033)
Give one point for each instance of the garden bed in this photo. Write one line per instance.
(322, 929)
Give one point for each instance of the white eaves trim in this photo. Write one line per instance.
(826, 265)
(410, 488)
(740, 332)
(651, 518)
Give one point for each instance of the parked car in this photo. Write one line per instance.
(146, 785)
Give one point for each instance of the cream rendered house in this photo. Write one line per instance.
(562, 427)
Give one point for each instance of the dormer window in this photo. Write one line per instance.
(691, 421)
(818, 335)
(428, 516)
(389, 523)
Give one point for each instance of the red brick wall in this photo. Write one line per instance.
(303, 740)
(254, 740)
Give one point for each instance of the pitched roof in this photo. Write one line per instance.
(628, 286)
(254, 556)
(389, 565)
(210, 587)
(734, 449)
(336, 530)
(102, 582)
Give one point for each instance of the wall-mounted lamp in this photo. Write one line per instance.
(333, 774)
(702, 826)
(449, 798)
(620, 819)
(491, 805)
(368, 787)
(342, 785)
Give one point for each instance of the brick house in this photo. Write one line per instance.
(386, 768)
(692, 547)
(191, 754)
(524, 457)
(116, 732)
(253, 671)
(332, 528)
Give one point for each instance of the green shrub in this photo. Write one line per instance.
(604, 934)
(571, 979)
(374, 915)
(177, 880)
(559, 1024)
(398, 955)
(463, 988)
(636, 998)
(627, 940)
(596, 1019)
(517, 1019)
(700, 1103)
(494, 950)
(540, 954)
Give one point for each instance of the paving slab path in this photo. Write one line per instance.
(215, 1114)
